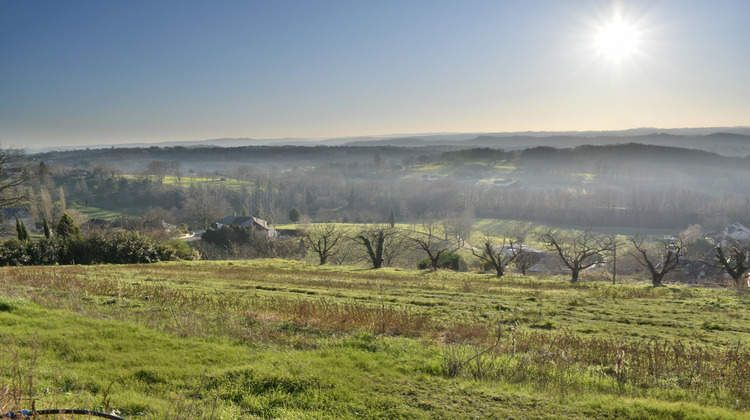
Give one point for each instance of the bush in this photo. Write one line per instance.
(450, 261)
(131, 248)
(181, 250)
(14, 252)
(119, 248)
(228, 236)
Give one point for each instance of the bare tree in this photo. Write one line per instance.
(380, 242)
(733, 258)
(458, 227)
(174, 167)
(525, 259)
(579, 250)
(204, 208)
(160, 169)
(660, 258)
(495, 252)
(427, 240)
(14, 174)
(322, 238)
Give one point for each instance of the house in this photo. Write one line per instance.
(737, 231)
(247, 222)
(537, 261)
(694, 270)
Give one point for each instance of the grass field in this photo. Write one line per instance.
(186, 181)
(284, 339)
(104, 214)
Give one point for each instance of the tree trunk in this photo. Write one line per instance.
(376, 255)
(499, 270)
(656, 280)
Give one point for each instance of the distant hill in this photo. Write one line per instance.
(730, 141)
(724, 143)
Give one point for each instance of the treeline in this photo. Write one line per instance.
(628, 185)
(209, 159)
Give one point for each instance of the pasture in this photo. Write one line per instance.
(285, 339)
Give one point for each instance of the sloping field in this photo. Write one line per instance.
(282, 339)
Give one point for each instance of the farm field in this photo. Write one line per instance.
(285, 339)
(105, 214)
(187, 181)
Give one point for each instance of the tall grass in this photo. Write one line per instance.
(513, 331)
(564, 362)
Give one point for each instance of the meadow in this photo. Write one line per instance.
(204, 181)
(286, 339)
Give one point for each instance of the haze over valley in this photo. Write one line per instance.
(394, 209)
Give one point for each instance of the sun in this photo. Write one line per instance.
(618, 40)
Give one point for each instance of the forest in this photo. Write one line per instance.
(625, 185)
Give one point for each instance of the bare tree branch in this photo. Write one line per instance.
(496, 253)
(322, 238)
(661, 259)
(578, 251)
(427, 240)
(15, 172)
(733, 258)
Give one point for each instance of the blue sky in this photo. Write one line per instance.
(81, 72)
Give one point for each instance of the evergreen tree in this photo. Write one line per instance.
(392, 218)
(67, 228)
(21, 232)
(46, 229)
(294, 215)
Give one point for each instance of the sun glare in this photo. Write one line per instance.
(617, 40)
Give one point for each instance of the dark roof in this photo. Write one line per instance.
(244, 221)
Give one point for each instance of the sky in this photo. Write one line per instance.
(92, 72)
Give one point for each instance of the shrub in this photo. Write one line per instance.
(14, 252)
(181, 250)
(449, 261)
(119, 248)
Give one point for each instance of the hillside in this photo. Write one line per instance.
(281, 339)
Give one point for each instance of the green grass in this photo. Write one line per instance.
(284, 339)
(496, 227)
(230, 183)
(186, 181)
(104, 214)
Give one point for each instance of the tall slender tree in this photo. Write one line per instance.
(21, 232)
